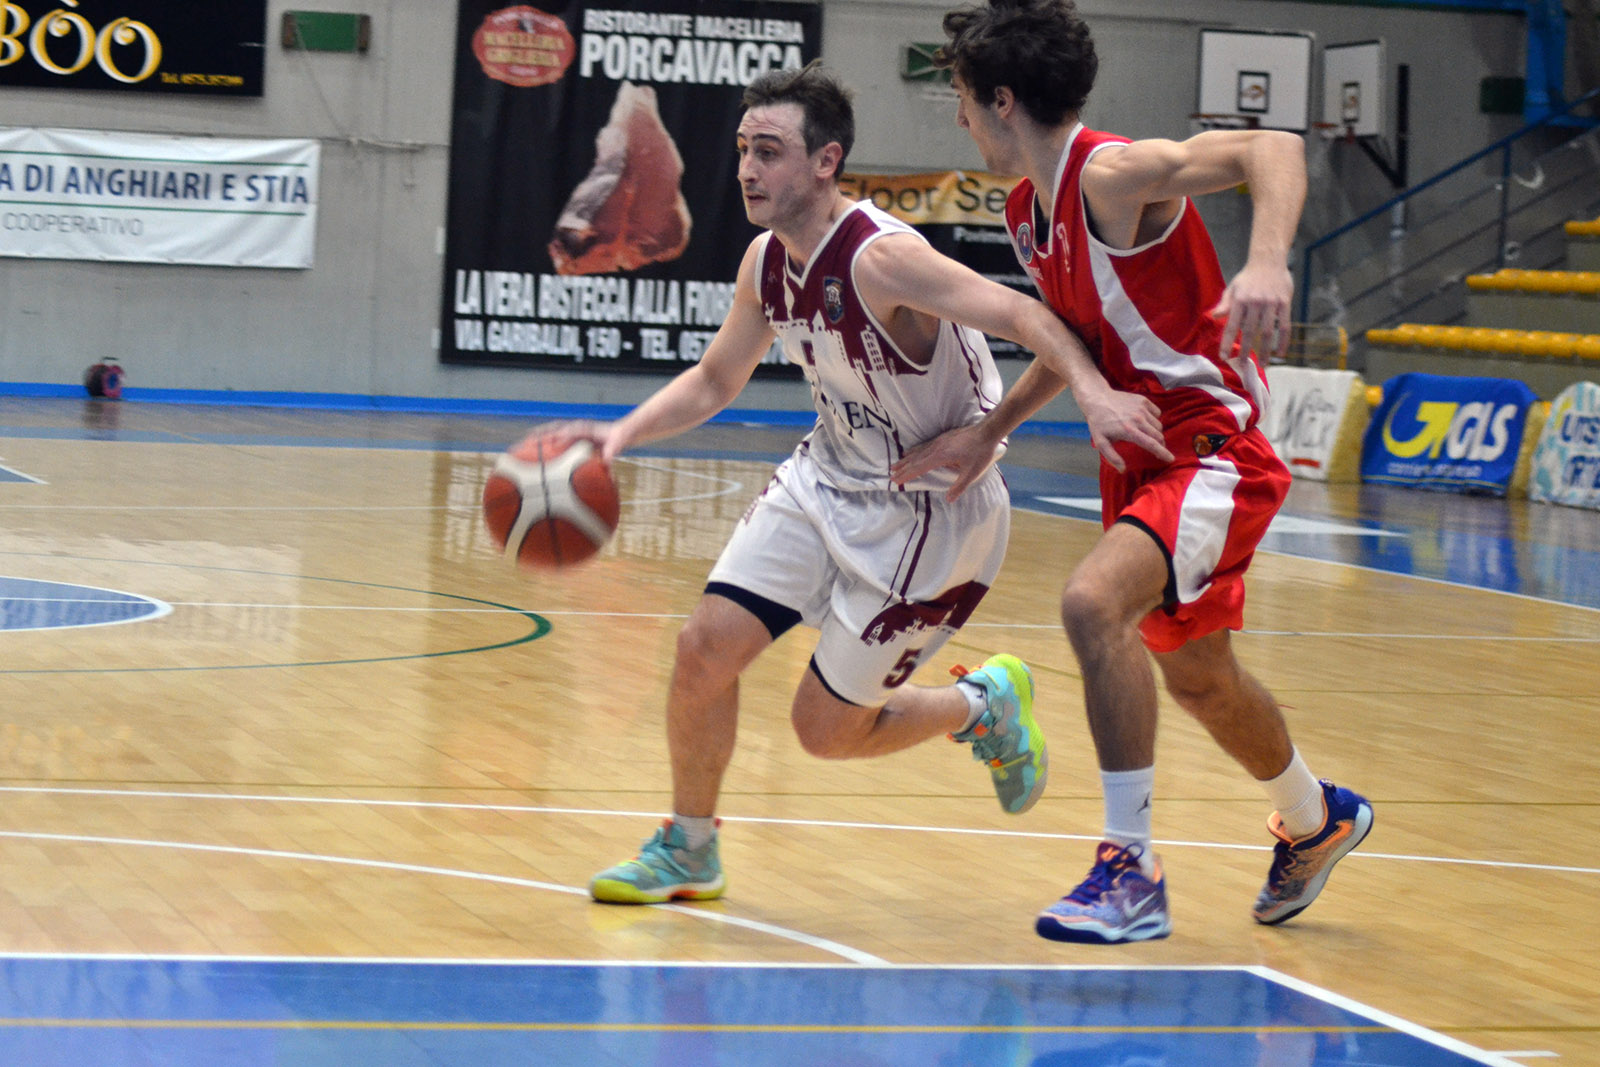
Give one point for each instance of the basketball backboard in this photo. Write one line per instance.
(1352, 88)
(1263, 76)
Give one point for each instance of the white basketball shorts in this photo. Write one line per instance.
(887, 577)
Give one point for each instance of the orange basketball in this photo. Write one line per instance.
(550, 508)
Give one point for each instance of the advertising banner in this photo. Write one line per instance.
(153, 198)
(1437, 432)
(1566, 464)
(142, 45)
(594, 215)
(1313, 420)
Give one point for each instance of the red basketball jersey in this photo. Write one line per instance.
(1143, 312)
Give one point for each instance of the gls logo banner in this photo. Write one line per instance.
(143, 45)
(1436, 432)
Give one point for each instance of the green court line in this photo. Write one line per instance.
(541, 625)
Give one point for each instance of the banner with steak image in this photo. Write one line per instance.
(594, 216)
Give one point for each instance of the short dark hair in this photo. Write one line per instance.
(823, 98)
(1039, 49)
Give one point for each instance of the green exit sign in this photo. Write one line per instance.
(327, 31)
(916, 64)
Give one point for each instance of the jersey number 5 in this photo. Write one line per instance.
(902, 670)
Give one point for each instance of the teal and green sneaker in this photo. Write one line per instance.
(666, 868)
(1006, 737)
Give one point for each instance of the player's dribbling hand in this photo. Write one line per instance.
(563, 434)
(1255, 310)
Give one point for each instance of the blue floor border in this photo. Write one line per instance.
(322, 1012)
(538, 409)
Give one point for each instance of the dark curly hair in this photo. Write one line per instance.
(1040, 49)
(825, 101)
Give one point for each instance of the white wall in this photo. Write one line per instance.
(362, 320)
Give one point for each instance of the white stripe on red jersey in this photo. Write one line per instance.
(1143, 312)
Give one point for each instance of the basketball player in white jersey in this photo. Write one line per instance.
(1106, 230)
(886, 572)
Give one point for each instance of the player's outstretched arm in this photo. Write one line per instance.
(699, 392)
(970, 450)
(1124, 186)
(904, 271)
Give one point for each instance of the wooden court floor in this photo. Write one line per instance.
(350, 730)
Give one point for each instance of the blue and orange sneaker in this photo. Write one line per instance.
(666, 868)
(1117, 902)
(1006, 737)
(1300, 868)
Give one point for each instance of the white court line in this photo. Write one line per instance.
(726, 487)
(531, 809)
(1394, 1022)
(845, 951)
(23, 475)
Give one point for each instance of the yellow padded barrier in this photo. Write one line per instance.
(1543, 344)
(1583, 282)
(1533, 426)
(1344, 458)
(1590, 228)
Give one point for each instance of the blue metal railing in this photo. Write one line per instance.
(1503, 146)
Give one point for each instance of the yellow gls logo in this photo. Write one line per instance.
(1475, 431)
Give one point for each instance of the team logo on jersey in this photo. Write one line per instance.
(1025, 242)
(833, 298)
(952, 609)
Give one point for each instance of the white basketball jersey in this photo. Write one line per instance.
(873, 403)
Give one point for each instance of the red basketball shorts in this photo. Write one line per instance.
(1208, 513)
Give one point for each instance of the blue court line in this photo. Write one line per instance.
(1496, 560)
(538, 409)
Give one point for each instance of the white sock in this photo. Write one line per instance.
(697, 830)
(1127, 797)
(977, 702)
(1297, 795)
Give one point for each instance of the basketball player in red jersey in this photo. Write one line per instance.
(887, 571)
(1105, 228)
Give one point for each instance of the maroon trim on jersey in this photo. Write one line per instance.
(925, 518)
(973, 365)
(951, 608)
(823, 295)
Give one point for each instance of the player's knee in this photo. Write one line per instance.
(1204, 692)
(826, 728)
(817, 737)
(701, 654)
(1088, 612)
